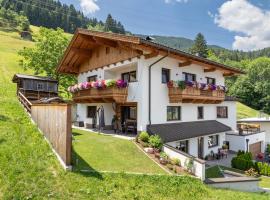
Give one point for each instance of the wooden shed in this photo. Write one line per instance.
(36, 87)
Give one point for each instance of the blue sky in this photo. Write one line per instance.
(237, 24)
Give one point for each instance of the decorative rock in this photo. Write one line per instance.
(149, 150)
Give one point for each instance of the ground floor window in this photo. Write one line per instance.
(182, 146)
(91, 111)
(173, 113)
(213, 141)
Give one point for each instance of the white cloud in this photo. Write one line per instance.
(210, 14)
(179, 1)
(250, 23)
(89, 6)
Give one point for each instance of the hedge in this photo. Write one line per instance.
(243, 161)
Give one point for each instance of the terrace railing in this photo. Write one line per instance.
(195, 95)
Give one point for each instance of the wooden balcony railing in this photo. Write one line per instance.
(195, 95)
(106, 95)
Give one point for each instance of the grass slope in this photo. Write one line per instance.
(106, 153)
(244, 111)
(29, 169)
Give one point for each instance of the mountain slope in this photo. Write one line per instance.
(29, 169)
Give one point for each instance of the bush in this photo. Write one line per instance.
(144, 136)
(176, 161)
(155, 141)
(163, 155)
(243, 161)
(263, 168)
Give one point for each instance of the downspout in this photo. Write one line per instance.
(149, 85)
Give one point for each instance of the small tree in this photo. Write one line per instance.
(200, 46)
(45, 55)
(155, 141)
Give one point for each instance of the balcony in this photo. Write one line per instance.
(103, 91)
(107, 95)
(195, 95)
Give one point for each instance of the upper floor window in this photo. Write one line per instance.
(165, 75)
(129, 76)
(200, 112)
(189, 77)
(222, 112)
(92, 78)
(173, 113)
(210, 80)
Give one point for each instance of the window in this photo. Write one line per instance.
(200, 112)
(212, 141)
(132, 113)
(222, 112)
(39, 86)
(189, 77)
(92, 78)
(173, 113)
(210, 81)
(129, 76)
(165, 76)
(91, 111)
(182, 145)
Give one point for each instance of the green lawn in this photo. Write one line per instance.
(244, 111)
(265, 182)
(107, 153)
(214, 172)
(29, 169)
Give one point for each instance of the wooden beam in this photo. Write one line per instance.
(106, 42)
(82, 52)
(184, 64)
(209, 69)
(151, 55)
(228, 74)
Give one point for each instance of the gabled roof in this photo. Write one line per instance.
(84, 41)
(24, 76)
(185, 130)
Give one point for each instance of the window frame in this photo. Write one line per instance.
(217, 141)
(178, 144)
(88, 113)
(186, 74)
(210, 78)
(178, 115)
(219, 116)
(168, 75)
(93, 76)
(41, 88)
(128, 73)
(198, 112)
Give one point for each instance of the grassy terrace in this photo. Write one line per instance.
(29, 169)
(107, 153)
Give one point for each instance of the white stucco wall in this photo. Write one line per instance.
(238, 142)
(108, 112)
(193, 145)
(138, 91)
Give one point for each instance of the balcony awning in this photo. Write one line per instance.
(185, 130)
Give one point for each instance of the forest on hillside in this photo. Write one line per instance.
(54, 14)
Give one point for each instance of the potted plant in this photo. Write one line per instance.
(163, 158)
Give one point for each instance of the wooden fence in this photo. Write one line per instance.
(54, 120)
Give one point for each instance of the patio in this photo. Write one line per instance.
(223, 161)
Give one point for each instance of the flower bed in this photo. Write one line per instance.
(152, 146)
(99, 84)
(193, 84)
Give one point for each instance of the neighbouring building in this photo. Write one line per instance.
(179, 96)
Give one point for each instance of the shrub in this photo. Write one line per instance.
(176, 161)
(155, 141)
(243, 161)
(170, 166)
(263, 168)
(163, 155)
(144, 136)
